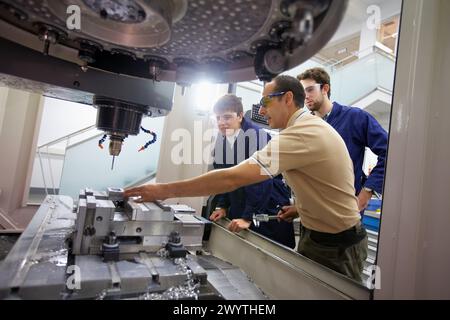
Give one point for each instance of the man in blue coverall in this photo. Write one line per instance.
(239, 139)
(357, 128)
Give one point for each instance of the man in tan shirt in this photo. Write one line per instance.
(315, 162)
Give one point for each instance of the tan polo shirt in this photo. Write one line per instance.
(316, 164)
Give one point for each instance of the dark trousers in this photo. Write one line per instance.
(344, 252)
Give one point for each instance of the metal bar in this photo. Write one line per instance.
(42, 171)
(376, 50)
(51, 173)
(70, 135)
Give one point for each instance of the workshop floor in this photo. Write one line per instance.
(23, 216)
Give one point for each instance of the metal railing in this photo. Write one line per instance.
(356, 54)
(68, 136)
(46, 146)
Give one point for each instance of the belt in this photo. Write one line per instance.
(345, 238)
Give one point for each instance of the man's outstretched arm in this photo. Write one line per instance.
(213, 182)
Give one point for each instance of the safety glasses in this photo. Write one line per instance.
(265, 100)
(314, 87)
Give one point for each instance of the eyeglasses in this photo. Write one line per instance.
(312, 88)
(265, 100)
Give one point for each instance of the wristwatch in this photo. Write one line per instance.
(368, 189)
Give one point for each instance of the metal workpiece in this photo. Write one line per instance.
(115, 194)
(166, 207)
(99, 195)
(148, 211)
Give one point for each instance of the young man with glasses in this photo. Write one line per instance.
(357, 127)
(315, 162)
(238, 140)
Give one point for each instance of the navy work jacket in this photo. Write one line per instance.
(258, 198)
(359, 130)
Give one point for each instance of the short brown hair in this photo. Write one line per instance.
(229, 102)
(319, 75)
(284, 83)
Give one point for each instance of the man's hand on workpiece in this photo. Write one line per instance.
(287, 213)
(237, 225)
(218, 214)
(147, 193)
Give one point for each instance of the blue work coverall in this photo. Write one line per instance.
(359, 130)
